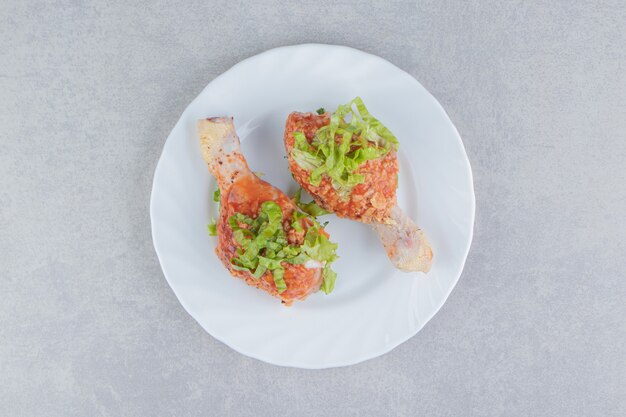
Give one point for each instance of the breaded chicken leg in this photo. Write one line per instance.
(367, 193)
(260, 236)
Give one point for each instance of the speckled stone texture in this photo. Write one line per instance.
(89, 93)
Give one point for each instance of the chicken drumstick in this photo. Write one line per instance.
(262, 237)
(350, 167)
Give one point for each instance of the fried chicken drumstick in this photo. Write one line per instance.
(347, 161)
(262, 237)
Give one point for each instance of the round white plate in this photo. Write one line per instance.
(373, 308)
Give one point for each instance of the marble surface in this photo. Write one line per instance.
(88, 324)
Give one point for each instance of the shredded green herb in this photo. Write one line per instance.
(320, 111)
(338, 149)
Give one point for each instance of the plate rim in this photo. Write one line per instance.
(376, 353)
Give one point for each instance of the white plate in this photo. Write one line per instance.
(373, 308)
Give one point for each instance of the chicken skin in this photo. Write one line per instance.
(350, 167)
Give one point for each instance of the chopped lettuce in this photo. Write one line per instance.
(338, 149)
(317, 246)
(263, 245)
(279, 281)
(306, 160)
(329, 279)
(295, 221)
(311, 208)
(212, 227)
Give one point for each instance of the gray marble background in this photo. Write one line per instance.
(536, 325)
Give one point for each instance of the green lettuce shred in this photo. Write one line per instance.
(212, 227)
(338, 149)
(263, 245)
(310, 208)
(329, 279)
